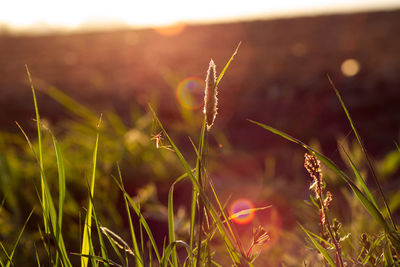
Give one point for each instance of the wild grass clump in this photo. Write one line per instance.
(68, 231)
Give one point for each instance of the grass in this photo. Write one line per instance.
(110, 237)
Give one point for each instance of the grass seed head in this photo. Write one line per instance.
(210, 95)
(312, 165)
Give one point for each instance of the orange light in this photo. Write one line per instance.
(241, 211)
(171, 30)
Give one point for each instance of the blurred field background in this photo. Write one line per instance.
(278, 77)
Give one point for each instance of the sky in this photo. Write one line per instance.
(143, 13)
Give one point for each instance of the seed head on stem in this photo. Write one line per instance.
(210, 95)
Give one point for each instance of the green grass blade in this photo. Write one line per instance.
(319, 247)
(9, 262)
(364, 150)
(118, 243)
(61, 182)
(138, 258)
(197, 187)
(45, 208)
(387, 254)
(50, 217)
(88, 219)
(370, 207)
(37, 257)
(227, 65)
(199, 152)
(5, 252)
(144, 223)
(61, 179)
(142, 220)
(361, 180)
(170, 248)
(71, 104)
(171, 226)
(104, 254)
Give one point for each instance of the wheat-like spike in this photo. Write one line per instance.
(210, 95)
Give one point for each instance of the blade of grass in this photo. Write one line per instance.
(138, 258)
(103, 249)
(61, 178)
(5, 253)
(171, 226)
(71, 104)
(51, 216)
(364, 151)
(142, 220)
(170, 248)
(360, 180)
(116, 250)
(10, 257)
(197, 187)
(374, 212)
(39, 132)
(227, 65)
(61, 182)
(319, 247)
(88, 219)
(98, 259)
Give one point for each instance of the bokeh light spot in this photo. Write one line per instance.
(350, 67)
(239, 205)
(171, 30)
(190, 92)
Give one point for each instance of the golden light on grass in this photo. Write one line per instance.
(350, 67)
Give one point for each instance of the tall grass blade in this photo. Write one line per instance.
(88, 220)
(45, 208)
(10, 257)
(364, 151)
(319, 247)
(197, 187)
(61, 183)
(51, 216)
(227, 65)
(71, 104)
(5, 252)
(361, 180)
(169, 250)
(138, 258)
(104, 254)
(61, 179)
(142, 220)
(171, 225)
(370, 207)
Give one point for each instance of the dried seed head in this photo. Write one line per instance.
(260, 236)
(210, 95)
(328, 199)
(312, 165)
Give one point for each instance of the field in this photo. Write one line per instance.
(279, 77)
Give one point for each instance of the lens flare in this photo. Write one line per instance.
(190, 92)
(239, 205)
(350, 67)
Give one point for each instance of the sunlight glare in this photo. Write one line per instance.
(73, 13)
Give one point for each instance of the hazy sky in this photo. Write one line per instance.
(73, 13)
